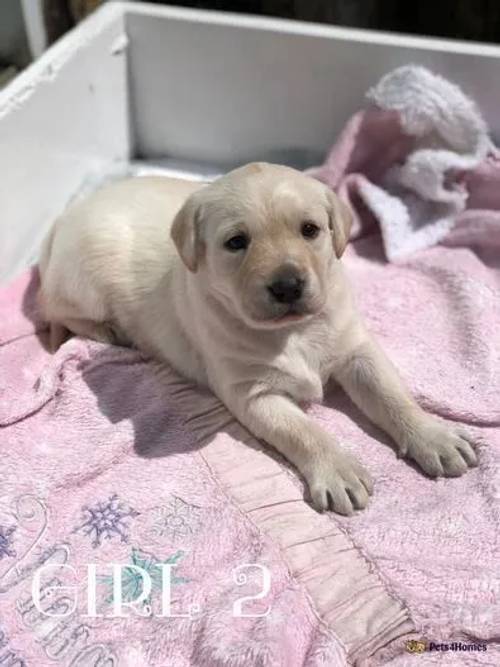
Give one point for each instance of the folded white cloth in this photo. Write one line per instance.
(417, 202)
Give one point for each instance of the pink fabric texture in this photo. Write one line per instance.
(107, 457)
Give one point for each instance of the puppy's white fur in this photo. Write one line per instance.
(144, 262)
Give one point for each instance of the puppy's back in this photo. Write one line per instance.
(110, 247)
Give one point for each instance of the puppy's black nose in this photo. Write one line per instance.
(287, 287)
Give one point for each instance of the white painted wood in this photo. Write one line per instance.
(63, 119)
(228, 88)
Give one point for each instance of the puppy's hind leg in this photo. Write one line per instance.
(58, 334)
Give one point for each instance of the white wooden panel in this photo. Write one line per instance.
(63, 119)
(228, 88)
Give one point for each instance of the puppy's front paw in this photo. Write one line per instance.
(337, 481)
(440, 449)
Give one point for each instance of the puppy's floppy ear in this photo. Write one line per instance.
(340, 222)
(185, 233)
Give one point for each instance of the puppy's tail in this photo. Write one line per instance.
(58, 333)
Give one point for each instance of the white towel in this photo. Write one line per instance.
(419, 200)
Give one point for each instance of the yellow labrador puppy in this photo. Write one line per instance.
(239, 286)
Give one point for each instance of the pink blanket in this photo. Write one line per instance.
(105, 457)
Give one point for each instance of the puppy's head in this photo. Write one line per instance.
(263, 239)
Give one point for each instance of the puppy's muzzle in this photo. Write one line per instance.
(287, 285)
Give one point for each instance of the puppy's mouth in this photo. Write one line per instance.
(290, 315)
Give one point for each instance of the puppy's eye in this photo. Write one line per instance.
(238, 242)
(310, 230)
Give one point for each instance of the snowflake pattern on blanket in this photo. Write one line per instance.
(106, 520)
(176, 519)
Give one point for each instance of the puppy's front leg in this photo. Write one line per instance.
(372, 382)
(336, 480)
